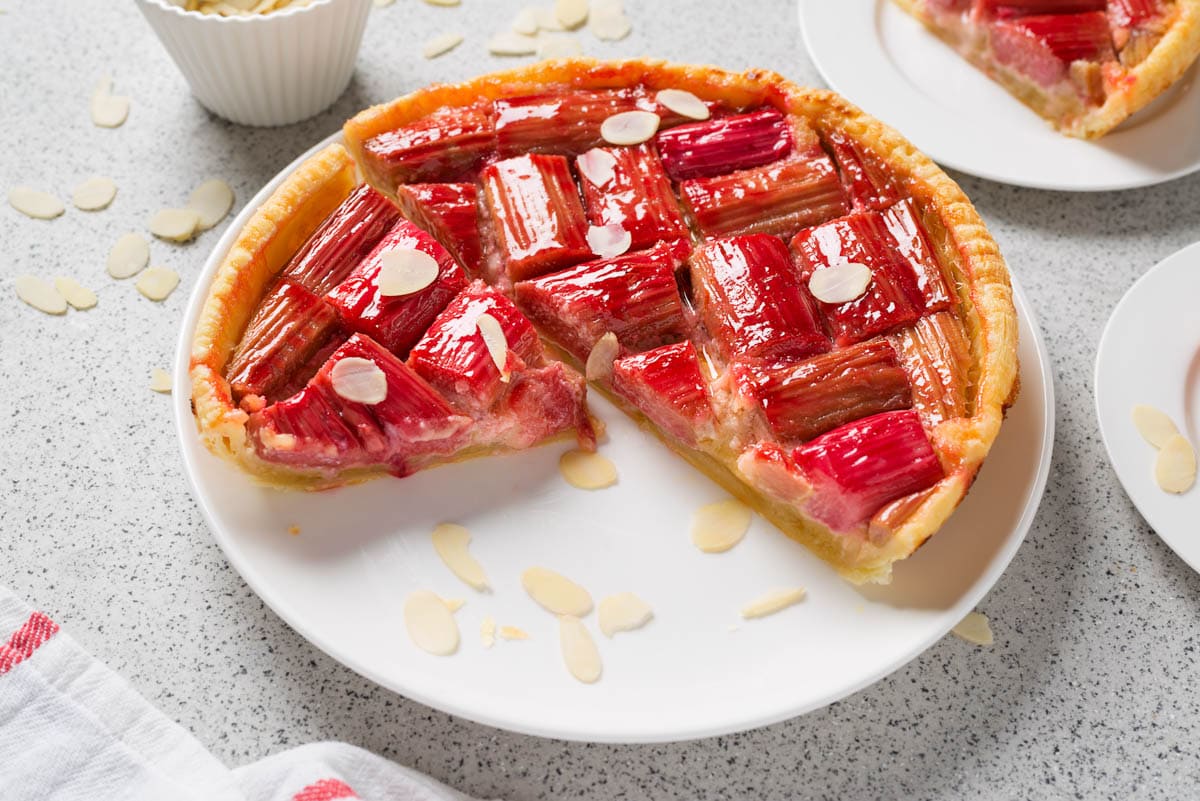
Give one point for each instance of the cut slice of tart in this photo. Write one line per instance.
(1084, 65)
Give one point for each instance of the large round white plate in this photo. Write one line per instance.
(696, 669)
(885, 61)
(1150, 353)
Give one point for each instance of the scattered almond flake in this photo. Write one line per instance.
(212, 200)
(294, 531)
(840, 283)
(160, 381)
(717, 527)
(608, 22)
(34, 203)
(547, 19)
(443, 3)
(108, 110)
(772, 602)
(451, 541)
(176, 225)
(974, 628)
(623, 612)
(578, 649)
(454, 604)
(359, 380)
(440, 45)
(487, 631)
(733, 628)
(571, 13)
(600, 359)
(403, 271)
(1175, 468)
(587, 470)
(682, 102)
(128, 257)
(608, 241)
(40, 294)
(513, 633)
(495, 341)
(526, 22)
(596, 165)
(94, 194)
(430, 623)
(556, 593)
(1155, 426)
(508, 43)
(558, 45)
(157, 283)
(629, 127)
(79, 296)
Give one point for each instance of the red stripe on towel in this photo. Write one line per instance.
(325, 790)
(36, 630)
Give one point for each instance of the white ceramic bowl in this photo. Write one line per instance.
(270, 69)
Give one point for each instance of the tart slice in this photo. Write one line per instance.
(1084, 65)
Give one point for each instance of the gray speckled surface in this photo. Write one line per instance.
(1087, 692)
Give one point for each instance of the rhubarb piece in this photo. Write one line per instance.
(908, 236)
(937, 357)
(1044, 47)
(537, 216)
(884, 523)
(633, 192)
(857, 468)
(396, 321)
(666, 385)
(751, 300)
(448, 145)
(806, 399)
(1008, 9)
(716, 147)
(344, 238)
(450, 213)
(557, 122)
(1131, 13)
(634, 296)
(867, 184)
(545, 402)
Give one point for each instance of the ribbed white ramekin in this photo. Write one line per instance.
(270, 69)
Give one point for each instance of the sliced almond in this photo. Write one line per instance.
(108, 110)
(609, 27)
(443, 3)
(596, 166)
(454, 604)
(717, 527)
(526, 22)
(160, 381)
(94, 194)
(608, 241)
(176, 225)
(773, 602)
(157, 283)
(547, 19)
(440, 45)
(840, 283)
(975, 629)
(495, 341)
(451, 542)
(556, 593)
(40, 294)
(359, 380)
(212, 200)
(508, 43)
(431, 625)
(487, 631)
(600, 359)
(404, 271)
(1155, 426)
(585, 470)
(128, 257)
(623, 612)
(383, 3)
(513, 633)
(1175, 467)
(34, 203)
(682, 102)
(79, 296)
(578, 649)
(571, 13)
(558, 45)
(629, 127)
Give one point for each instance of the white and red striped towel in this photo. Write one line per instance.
(71, 729)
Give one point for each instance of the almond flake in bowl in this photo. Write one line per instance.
(623, 612)
(94, 194)
(359, 380)
(40, 294)
(556, 593)
(157, 283)
(975, 629)
(431, 625)
(578, 649)
(629, 127)
(717, 527)
(128, 257)
(587, 470)
(34, 203)
(451, 542)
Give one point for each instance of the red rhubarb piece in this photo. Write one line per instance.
(936, 356)
(751, 301)
(910, 241)
(449, 212)
(1133, 13)
(867, 183)
(638, 196)
(857, 468)
(666, 385)
(1009, 9)
(725, 144)
(398, 321)
(448, 145)
(566, 123)
(539, 404)
(1043, 47)
(536, 213)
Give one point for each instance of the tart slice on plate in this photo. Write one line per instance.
(780, 287)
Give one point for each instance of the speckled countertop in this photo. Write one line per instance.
(1087, 693)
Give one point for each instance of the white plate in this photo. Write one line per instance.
(341, 583)
(1150, 353)
(885, 61)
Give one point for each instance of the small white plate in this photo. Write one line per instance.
(1150, 353)
(886, 62)
(697, 669)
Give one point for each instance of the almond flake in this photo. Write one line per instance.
(717, 527)
(558, 45)
(841, 283)
(1155, 426)
(108, 110)
(571, 13)
(974, 628)
(495, 341)
(487, 631)
(772, 602)
(36, 204)
(79, 296)
(682, 102)
(160, 381)
(547, 19)
(128, 257)
(608, 241)
(623, 612)
(629, 127)
(526, 22)
(451, 541)
(359, 380)
(40, 294)
(556, 593)
(157, 283)
(454, 604)
(578, 649)
(212, 200)
(507, 43)
(596, 165)
(440, 45)
(587, 470)
(513, 633)
(176, 225)
(383, 3)
(404, 271)
(443, 3)
(608, 22)
(94, 194)
(431, 625)
(600, 359)
(1175, 468)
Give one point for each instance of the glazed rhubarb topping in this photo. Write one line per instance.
(1133, 13)
(450, 213)
(809, 398)
(633, 192)
(397, 321)
(535, 209)
(719, 146)
(857, 468)
(911, 243)
(447, 145)
(865, 181)
(634, 296)
(342, 240)
(1044, 47)
(751, 300)
(936, 356)
(558, 122)
(1007, 9)
(666, 385)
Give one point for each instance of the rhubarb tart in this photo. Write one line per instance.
(778, 286)
(1084, 65)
